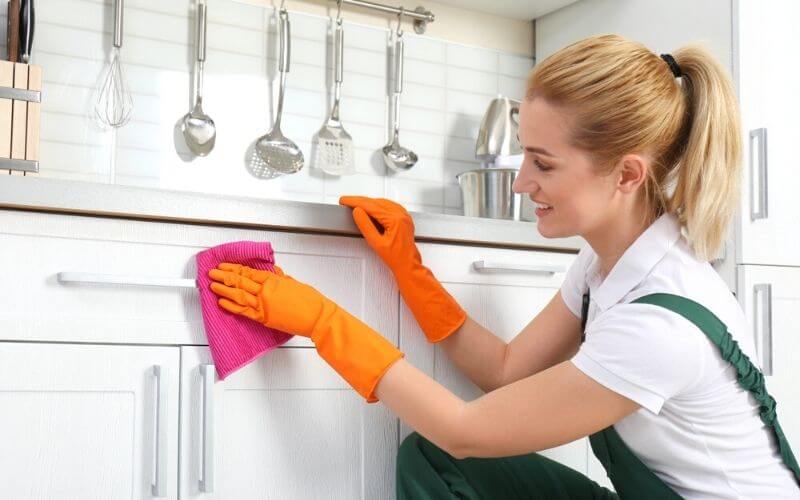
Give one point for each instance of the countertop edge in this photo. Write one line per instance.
(111, 200)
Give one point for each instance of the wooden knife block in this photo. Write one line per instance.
(20, 111)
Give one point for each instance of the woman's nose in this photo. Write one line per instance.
(524, 182)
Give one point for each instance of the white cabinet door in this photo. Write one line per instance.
(768, 39)
(88, 421)
(770, 297)
(504, 296)
(284, 427)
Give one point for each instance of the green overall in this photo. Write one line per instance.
(426, 472)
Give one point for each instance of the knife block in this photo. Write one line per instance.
(20, 110)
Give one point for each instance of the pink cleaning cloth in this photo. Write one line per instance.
(235, 340)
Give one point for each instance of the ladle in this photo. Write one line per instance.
(395, 156)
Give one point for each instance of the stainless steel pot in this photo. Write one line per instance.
(486, 192)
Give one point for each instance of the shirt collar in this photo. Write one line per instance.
(635, 264)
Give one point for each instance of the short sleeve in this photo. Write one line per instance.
(644, 352)
(574, 285)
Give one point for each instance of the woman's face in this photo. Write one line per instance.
(559, 175)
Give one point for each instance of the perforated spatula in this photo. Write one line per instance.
(333, 146)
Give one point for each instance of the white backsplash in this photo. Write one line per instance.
(447, 87)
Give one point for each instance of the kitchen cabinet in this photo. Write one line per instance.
(285, 426)
(770, 297)
(503, 290)
(78, 356)
(767, 39)
(88, 421)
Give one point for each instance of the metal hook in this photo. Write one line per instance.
(338, 11)
(400, 20)
(283, 5)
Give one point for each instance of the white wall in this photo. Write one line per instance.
(669, 24)
(447, 88)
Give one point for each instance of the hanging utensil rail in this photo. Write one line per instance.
(420, 15)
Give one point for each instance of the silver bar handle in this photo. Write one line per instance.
(159, 482)
(207, 373)
(119, 7)
(121, 279)
(339, 50)
(398, 63)
(758, 172)
(486, 265)
(201, 32)
(285, 41)
(764, 291)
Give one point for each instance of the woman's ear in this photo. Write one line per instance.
(632, 172)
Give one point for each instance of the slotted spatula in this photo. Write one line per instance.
(333, 146)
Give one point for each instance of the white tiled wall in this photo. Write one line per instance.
(447, 87)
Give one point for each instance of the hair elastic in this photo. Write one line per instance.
(676, 70)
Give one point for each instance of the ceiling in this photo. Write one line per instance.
(514, 9)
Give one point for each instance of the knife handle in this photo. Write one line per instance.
(12, 41)
(26, 22)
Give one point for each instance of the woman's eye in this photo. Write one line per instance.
(541, 166)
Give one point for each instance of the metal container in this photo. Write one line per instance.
(486, 192)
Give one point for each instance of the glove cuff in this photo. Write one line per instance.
(436, 311)
(359, 354)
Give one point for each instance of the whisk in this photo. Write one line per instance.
(114, 102)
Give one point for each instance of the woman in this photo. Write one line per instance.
(638, 154)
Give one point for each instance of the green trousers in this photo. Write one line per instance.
(424, 471)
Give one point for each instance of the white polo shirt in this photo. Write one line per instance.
(697, 429)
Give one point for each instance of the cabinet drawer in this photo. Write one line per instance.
(37, 247)
(498, 266)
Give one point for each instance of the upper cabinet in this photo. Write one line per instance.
(768, 88)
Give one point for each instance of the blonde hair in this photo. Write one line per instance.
(622, 98)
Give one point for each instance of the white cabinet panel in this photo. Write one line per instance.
(82, 421)
(36, 247)
(770, 297)
(504, 296)
(770, 104)
(286, 426)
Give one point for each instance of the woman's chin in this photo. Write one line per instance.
(548, 230)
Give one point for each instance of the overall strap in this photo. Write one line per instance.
(749, 376)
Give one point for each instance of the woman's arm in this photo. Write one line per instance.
(489, 362)
(550, 408)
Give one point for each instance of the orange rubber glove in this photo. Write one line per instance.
(357, 352)
(436, 311)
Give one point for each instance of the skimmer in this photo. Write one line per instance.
(277, 152)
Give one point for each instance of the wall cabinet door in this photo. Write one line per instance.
(770, 104)
(504, 292)
(285, 426)
(770, 297)
(88, 421)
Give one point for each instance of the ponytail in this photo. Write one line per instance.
(708, 172)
